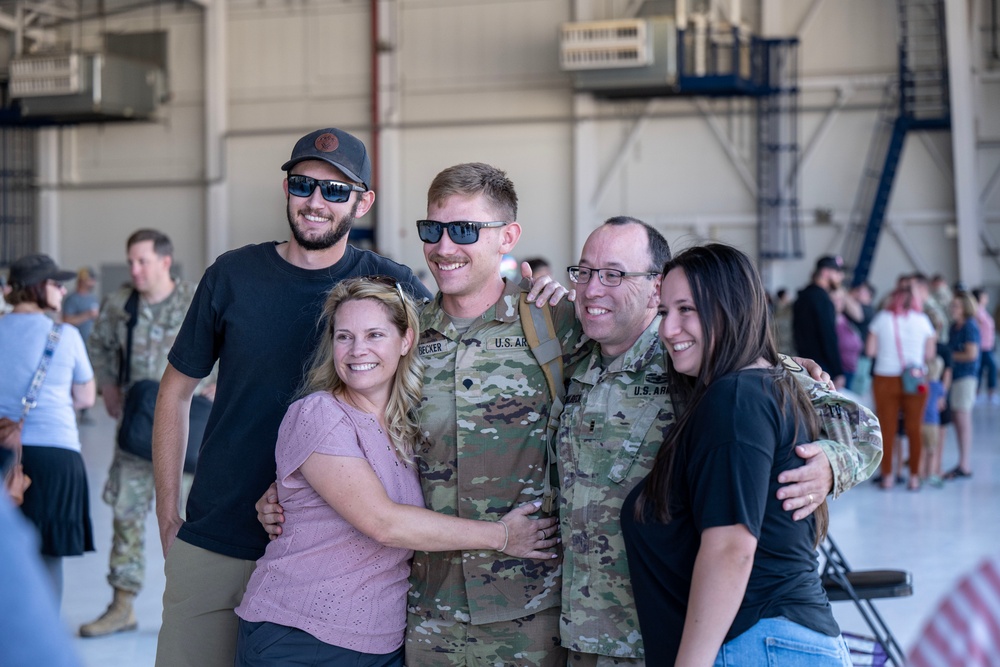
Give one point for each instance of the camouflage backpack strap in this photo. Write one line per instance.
(540, 332)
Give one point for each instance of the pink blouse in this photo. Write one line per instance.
(322, 575)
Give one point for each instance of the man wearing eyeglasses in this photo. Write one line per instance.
(255, 311)
(617, 413)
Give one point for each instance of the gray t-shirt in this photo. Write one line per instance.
(75, 304)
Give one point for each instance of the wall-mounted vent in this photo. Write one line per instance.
(50, 75)
(80, 87)
(623, 58)
(605, 44)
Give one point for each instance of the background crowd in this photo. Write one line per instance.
(941, 337)
(486, 583)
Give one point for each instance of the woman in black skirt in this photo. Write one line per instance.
(57, 500)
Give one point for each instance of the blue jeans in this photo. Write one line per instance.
(778, 642)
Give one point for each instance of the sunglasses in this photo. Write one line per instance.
(461, 232)
(334, 192)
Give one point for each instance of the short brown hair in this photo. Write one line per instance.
(161, 242)
(476, 178)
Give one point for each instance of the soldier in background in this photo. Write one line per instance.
(163, 302)
(618, 411)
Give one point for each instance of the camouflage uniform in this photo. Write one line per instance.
(129, 489)
(484, 415)
(612, 425)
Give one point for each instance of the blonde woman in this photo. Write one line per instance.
(332, 589)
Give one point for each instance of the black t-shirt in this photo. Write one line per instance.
(258, 316)
(814, 326)
(726, 473)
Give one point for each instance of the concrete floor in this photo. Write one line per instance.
(937, 534)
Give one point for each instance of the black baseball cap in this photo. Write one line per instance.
(344, 151)
(830, 262)
(33, 269)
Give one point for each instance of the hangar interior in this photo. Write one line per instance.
(790, 128)
(771, 127)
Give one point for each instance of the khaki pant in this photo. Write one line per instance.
(199, 626)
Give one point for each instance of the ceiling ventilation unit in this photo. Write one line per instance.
(621, 58)
(81, 87)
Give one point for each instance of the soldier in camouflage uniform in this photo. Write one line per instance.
(163, 302)
(617, 412)
(485, 412)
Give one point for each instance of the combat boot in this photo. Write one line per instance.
(119, 617)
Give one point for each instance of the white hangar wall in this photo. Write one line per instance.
(478, 80)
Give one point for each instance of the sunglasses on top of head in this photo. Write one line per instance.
(335, 192)
(388, 281)
(461, 232)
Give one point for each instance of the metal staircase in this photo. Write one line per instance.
(877, 177)
(917, 101)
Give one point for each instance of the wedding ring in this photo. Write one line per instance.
(810, 496)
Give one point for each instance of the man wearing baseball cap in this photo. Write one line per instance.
(814, 319)
(255, 312)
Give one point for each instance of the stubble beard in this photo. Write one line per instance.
(327, 240)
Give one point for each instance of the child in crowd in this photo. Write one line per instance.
(930, 466)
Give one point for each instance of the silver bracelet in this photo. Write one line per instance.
(506, 534)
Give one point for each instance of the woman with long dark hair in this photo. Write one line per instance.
(718, 568)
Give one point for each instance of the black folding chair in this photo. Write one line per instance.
(863, 586)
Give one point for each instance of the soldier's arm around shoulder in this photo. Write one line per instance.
(570, 334)
(850, 433)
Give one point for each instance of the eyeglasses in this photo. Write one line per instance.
(608, 277)
(462, 232)
(334, 192)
